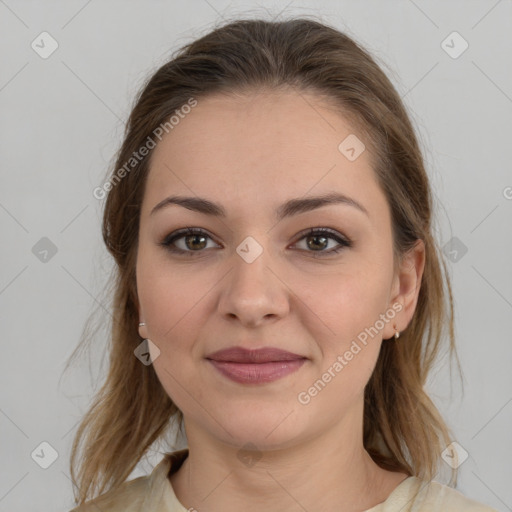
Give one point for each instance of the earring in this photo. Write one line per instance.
(142, 323)
(397, 332)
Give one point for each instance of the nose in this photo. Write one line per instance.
(253, 293)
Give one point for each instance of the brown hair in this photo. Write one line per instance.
(403, 430)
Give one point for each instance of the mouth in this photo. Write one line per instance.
(255, 366)
(262, 355)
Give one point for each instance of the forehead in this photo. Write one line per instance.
(260, 144)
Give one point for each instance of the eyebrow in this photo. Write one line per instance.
(287, 209)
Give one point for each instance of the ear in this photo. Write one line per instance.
(142, 328)
(406, 288)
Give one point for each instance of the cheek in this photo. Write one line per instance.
(165, 296)
(350, 305)
(349, 302)
(171, 301)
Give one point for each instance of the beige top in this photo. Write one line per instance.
(154, 493)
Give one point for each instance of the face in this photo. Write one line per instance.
(261, 275)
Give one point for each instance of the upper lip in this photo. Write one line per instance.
(261, 355)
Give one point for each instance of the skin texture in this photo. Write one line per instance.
(251, 153)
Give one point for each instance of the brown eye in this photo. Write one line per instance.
(193, 240)
(317, 240)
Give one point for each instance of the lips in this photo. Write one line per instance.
(255, 356)
(257, 366)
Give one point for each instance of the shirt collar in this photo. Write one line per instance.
(160, 496)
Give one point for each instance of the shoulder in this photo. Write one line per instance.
(421, 496)
(449, 499)
(128, 497)
(149, 492)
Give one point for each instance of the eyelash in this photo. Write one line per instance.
(329, 233)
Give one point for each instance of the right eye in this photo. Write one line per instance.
(191, 237)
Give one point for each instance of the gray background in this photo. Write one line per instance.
(62, 120)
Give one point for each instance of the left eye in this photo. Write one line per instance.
(196, 239)
(320, 237)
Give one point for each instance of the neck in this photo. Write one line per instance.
(331, 472)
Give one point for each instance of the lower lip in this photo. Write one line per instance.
(257, 373)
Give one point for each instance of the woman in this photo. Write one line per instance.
(279, 293)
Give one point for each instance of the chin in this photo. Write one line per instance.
(271, 428)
